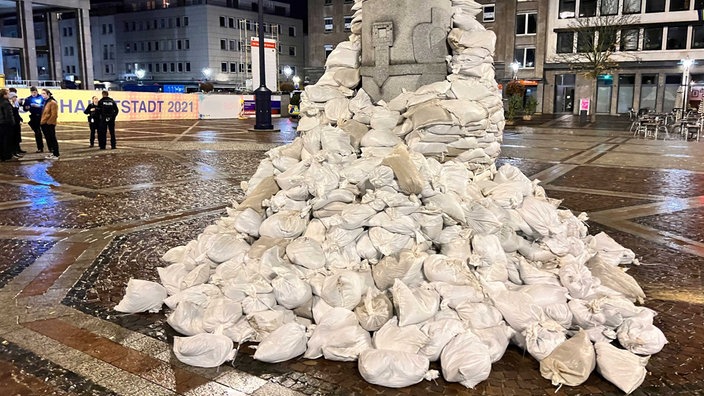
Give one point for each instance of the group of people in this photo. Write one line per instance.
(43, 114)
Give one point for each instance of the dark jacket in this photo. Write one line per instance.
(6, 114)
(35, 106)
(107, 108)
(92, 115)
(16, 115)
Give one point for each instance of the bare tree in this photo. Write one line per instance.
(601, 41)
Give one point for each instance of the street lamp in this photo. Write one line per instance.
(288, 71)
(515, 66)
(140, 73)
(686, 64)
(296, 81)
(207, 72)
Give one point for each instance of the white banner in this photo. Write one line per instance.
(271, 67)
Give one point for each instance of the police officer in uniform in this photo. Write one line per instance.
(107, 111)
(34, 104)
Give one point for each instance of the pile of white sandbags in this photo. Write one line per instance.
(354, 244)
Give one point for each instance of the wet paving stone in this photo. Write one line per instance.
(674, 183)
(22, 372)
(142, 204)
(528, 167)
(686, 222)
(238, 162)
(18, 254)
(582, 202)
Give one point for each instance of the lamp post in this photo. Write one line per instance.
(686, 64)
(296, 82)
(140, 73)
(288, 71)
(515, 66)
(262, 96)
(207, 72)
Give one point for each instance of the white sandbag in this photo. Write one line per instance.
(531, 274)
(496, 339)
(284, 343)
(142, 296)
(290, 290)
(391, 336)
(576, 277)
(285, 224)
(265, 322)
(541, 216)
(543, 337)
(240, 332)
(616, 278)
(466, 359)
(174, 255)
(620, 367)
(204, 350)
(346, 346)
(518, 309)
(394, 369)
(199, 295)
(610, 251)
(337, 109)
(326, 331)
(571, 362)
(197, 276)
(560, 313)
(455, 243)
(640, 336)
(545, 294)
(440, 268)
(343, 289)
(439, 332)
(374, 310)
(453, 295)
(389, 243)
(345, 54)
(258, 302)
(172, 276)
(221, 312)
(478, 315)
(488, 247)
(306, 252)
(414, 305)
(187, 318)
(407, 267)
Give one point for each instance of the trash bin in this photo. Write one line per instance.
(583, 117)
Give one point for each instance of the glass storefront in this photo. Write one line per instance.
(673, 93)
(564, 93)
(648, 91)
(12, 64)
(626, 88)
(604, 83)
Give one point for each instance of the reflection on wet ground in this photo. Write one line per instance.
(74, 231)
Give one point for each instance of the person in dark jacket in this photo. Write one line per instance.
(107, 109)
(16, 136)
(7, 125)
(48, 123)
(34, 104)
(93, 118)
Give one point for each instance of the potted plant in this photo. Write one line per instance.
(515, 105)
(531, 106)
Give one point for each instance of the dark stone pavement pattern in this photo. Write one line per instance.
(168, 180)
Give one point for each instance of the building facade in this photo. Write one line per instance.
(329, 23)
(650, 50)
(44, 42)
(191, 41)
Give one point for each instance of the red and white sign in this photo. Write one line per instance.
(270, 65)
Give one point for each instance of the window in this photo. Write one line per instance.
(180, 67)
(567, 8)
(292, 51)
(328, 2)
(327, 21)
(629, 39)
(698, 4)
(654, 5)
(698, 37)
(70, 51)
(233, 67)
(241, 67)
(249, 67)
(239, 46)
(109, 69)
(185, 21)
(248, 24)
(141, 46)
(679, 5)
(156, 46)
(162, 23)
(149, 68)
(526, 24)
(676, 37)
(127, 47)
(222, 21)
(292, 31)
(104, 29)
(525, 57)
(607, 39)
(149, 45)
(112, 52)
(652, 39)
(565, 42)
(173, 67)
(158, 67)
(188, 66)
(328, 50)
(231, 22)
(126, 27)
(348, 23)
(178, 22)
(585, 41)
(223, 67)
(608, 7)
(587, 8)
(164, 68)
(223, 44)
(187, 44)
(489, 13)
(105, 52)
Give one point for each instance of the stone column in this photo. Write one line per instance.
(55, 49)
(85, 53)
(29, 55)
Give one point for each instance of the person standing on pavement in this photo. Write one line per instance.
(92, 112)
(16, 136)
(49, 119)
(34, 104)
(7, 124)
(107, 110)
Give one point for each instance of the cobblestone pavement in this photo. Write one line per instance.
(72, 233)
